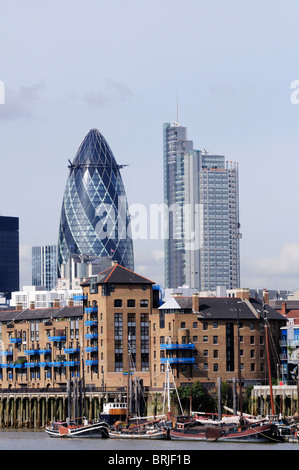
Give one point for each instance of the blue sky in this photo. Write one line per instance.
(117, 65)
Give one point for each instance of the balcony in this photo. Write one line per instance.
(16, 340)
(32, 352)
(71, 350)
(177, 346)
(91, 362)
(6, 353)
(91, 323)
(80, 297)
(45, 351)
(177, 360)
(91, 349)
(91, 310)
(91, 336)
(71, 363)
(31, 364)
(57, 338)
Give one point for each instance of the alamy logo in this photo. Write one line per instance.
(295, 94)
(2, 92)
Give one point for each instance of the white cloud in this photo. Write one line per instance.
(19, 104)
(113, 92)
(279, 272)
(285, 263)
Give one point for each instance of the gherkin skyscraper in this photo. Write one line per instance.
(94, 218)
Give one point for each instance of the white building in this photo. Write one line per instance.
(35, 297)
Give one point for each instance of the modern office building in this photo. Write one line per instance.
(44, 266)
(201, 197)
(9, 255)
(94, 217)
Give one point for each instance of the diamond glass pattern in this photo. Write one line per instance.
(94, 216)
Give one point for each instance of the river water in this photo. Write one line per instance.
(39, 440)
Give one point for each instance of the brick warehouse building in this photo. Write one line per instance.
(120, 315)
(199, 338)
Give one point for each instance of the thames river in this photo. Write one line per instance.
(39, 440)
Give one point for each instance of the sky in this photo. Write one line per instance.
(118, 65)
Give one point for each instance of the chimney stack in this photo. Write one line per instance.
(195, 302)
(266, 296)
(243, 293)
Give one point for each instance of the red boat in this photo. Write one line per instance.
(186, 428)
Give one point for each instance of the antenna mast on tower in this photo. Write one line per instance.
(176, 123)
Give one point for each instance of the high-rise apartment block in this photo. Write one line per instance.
(44, 266)
(201, 197)
(9, 255)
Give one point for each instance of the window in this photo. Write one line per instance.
(143, 303)
(131, 303)
(215, 324)
(251, 339)
(118, 303)
(205, 339)
(118, 325)
(195, 324)
(205, 325)
(93, 285)
(183, 324)
(195, 339)
(215, 339)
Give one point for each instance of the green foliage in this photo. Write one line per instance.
(201, 399)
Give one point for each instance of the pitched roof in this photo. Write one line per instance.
(224, 308)
(117, 274)
(41, 313)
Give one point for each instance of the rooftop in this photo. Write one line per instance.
(224, 307)
(41, 313)
(117, 274)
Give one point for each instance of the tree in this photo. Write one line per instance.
(201, 399)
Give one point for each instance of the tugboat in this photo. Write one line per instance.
(113, 412)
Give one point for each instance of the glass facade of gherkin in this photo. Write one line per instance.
(94, 216)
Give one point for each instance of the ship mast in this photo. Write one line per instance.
(268, 357)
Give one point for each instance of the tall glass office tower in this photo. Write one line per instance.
(94, 216)
(201, 195)
(44, 266)
(9, 255)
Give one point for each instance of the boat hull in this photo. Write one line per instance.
(128, 435)
(263, 433)
(98, 430)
